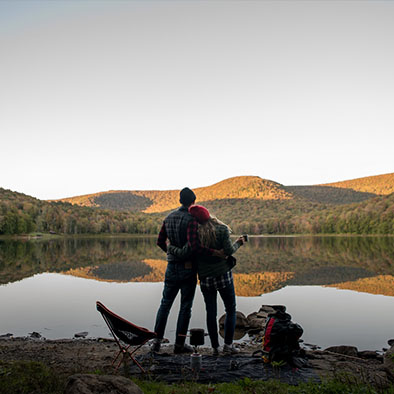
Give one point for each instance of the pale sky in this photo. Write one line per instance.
(110, 95)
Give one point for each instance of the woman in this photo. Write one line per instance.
(215, 274)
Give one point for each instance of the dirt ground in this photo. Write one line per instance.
(69, 356)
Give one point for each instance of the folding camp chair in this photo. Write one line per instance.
(126, 334)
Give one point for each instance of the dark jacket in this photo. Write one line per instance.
(211, 265)
(176, 224)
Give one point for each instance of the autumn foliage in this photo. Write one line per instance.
(248, 204)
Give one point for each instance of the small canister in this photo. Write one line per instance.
(195, 362)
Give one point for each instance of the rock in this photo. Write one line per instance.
(241, 321)
(35, 334)
(8, 335)
(346, 350)
(257, 320)
(97, 384)
(82, 334)
(388, 362)
(390, 342)
(272, 308)
(312, 346)
(239, 333)
(368, 354)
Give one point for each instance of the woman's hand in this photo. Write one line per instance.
(240, 240)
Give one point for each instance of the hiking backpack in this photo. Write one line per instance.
(281, 337)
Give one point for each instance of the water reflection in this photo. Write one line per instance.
(264, 265)
(57, 296)
(58, 306)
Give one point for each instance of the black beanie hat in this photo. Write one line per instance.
(187, 196)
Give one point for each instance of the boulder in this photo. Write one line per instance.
(272, 308)
(241, 321)
(35, 335)
(99, 384)
(82, 334)
(369, 354)
(388, 362)
(256, 320)
(346, 350)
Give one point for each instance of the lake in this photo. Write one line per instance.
(339, 289)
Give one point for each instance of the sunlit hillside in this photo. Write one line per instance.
(242, 187)
(346, 192)
(151, 201)
(248, 204)
(378, 184)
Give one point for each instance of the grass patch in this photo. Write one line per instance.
(25, 377)
(29, 377)
(248, 386)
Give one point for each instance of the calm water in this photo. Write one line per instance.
(340, 289)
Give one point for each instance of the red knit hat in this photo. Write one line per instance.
(200, 213)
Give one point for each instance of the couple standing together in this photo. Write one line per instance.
(198, 244)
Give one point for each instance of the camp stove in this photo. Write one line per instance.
(196, 339)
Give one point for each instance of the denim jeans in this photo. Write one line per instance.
(177, 278)
(228, 296)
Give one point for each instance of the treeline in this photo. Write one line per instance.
(21, 214)
(329, 195)
(374, 216)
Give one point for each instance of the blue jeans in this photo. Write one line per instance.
(177, 278)
(228, 296)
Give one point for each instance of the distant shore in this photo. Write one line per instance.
(47, 236)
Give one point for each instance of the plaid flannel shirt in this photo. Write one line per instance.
(192, 238)
(218, 282)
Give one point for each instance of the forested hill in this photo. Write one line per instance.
(22, 214)
(247, 204)
(149, 201)
(242, 187)
(346, 192)
(379, 184)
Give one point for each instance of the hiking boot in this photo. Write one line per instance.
(179, 349)
(156, 345)
(230, 349)
(215, 351)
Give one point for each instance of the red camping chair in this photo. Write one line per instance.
(126, 333)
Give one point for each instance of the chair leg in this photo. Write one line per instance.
(125, 352)
(119, 353)
(137, 363)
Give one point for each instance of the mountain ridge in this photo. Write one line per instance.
(164, 200)
(240, 187)
(248, 204)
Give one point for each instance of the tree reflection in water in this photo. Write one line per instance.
(264, 265)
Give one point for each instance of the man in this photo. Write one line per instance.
(179, 227)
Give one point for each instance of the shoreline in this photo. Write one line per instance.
(47, 236)
(83, 355)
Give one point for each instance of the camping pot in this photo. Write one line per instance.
(195, 362)
(197, 336)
